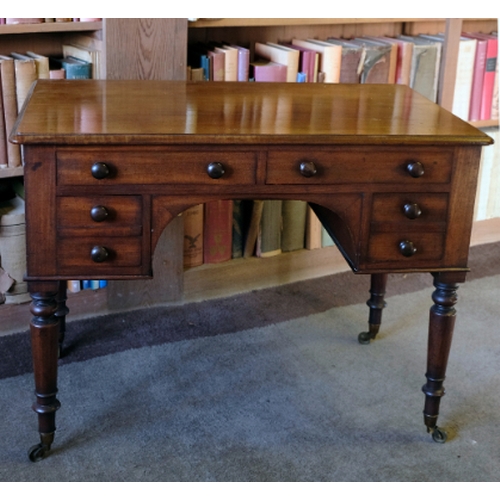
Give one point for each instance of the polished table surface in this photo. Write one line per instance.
(108, 164)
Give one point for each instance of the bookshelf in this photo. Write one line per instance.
(157, 49)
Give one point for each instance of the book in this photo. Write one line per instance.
(230, 62)
(8, 84)
(4, 160)
(294, 214)
(193, 236)
(26, 75)
(393, 54)
(243, 62)
(24, 20)
(308, 62)
(269, 241)
(42, 65)
(74, 286)
(313, 230)
(489, 72)
(86, 54)
(282, 55)
(242, 211)
(477, 79)
(426, 59)
(253, 228)
(76, 69)
(376, 62)
(268, 71)
(495, 99)
(330, 58)
(464, 74)
(217, 232)
(352, 60)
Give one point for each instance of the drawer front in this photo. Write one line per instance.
(99, 215)
(359, 165)
(406, 248)
(149, 166)
(411, 210)
(75, 255)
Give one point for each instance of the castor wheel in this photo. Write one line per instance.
(365, 338)
(439, 435)
(38, 452)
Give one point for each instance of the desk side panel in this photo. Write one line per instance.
(40, 187)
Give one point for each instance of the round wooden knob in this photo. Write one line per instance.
(99, 254)
(412, 211)
(407, 248)
(308, 169)
(215, 170)
(100, 170)
(415, 169)
(99, 213)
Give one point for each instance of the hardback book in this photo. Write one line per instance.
(352, 60)
(495, 99)
(242, 211)
(8, 85)
(74, 286)
(282, 55)
(377, 61)
(230, 62)
(253, 228)
(4, 160)
(268, 71)
(330, 58)
(193, 236)
(294, 214)
(217, 65)
(313, 230)
(426, 59)
(42, 65)
(269, 241)
(326, 239)
(24, 20)
(393, 54)
(404, 60)
(489, 73)
(76, 69)
(218, 231)
(464, 74)
(26, 75)
(243, 62)
(477, 79)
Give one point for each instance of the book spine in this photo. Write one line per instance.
(489, 79)
(294, 225)
(193, 236)
(477, 81)
(218, 230)
(270, 229)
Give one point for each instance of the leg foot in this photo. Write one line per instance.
(439, 435)
(376, 305)
(40, 451)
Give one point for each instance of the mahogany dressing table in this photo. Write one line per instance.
(108, 164)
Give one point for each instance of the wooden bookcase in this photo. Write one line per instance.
(157, 49)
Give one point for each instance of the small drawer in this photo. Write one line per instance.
(413, 210)
(99, 255)
(99, 215)
(407, 247)
(359, 165)
(95, 167)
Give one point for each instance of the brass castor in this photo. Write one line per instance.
(38, 452)
(439, 435)
(365, 337)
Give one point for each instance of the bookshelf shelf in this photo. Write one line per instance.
(18, 29)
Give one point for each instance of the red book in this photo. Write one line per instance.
(489, 72)
(218, 231)
(477, 79)
(268, 71)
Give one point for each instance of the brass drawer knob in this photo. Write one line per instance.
(415, 169)
(100, 170)
(99, 213)
(215, 170)
(99, 254)
(308, 169)
(412, 211)
(407, 248)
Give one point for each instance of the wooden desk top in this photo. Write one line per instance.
(163, 112)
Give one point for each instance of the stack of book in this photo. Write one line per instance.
(18, 72)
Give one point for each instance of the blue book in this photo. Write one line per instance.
(76, 69)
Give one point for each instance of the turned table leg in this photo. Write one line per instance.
(45, 349)
(376, 304)
(441, 324)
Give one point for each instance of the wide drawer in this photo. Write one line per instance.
(354, 165)
(153, 166)
(99, 215)
(75, 255)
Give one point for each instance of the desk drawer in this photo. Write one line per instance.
(153, 166)
(359, 165)
(99, 215)
(75, 255)
(406, 247)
